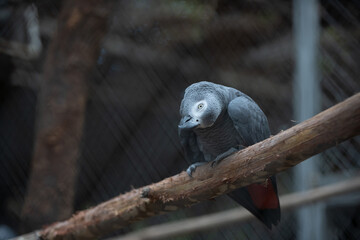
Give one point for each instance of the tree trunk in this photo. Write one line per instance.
(61, 106)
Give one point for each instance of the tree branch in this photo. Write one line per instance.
(253, 164)
(237, 215)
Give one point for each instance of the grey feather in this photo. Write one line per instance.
(215, 122)
(249, 120)
(191, 149)
(238, 113)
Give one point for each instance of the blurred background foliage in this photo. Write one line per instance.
(151, 53)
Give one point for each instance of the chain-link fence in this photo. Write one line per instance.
(151, 53)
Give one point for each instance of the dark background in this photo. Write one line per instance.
(152, 51)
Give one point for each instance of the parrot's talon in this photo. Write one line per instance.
(220, 157)
(145, 193)
(189, 171)
(215, 162)
(193, 167)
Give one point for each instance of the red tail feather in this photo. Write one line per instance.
(264, 196)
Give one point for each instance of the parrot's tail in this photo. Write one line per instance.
(261, 200)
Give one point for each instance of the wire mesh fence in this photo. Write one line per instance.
(151, 53)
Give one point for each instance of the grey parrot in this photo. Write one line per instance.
(217, 121)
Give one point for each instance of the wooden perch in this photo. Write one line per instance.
(240, 214)
(253, 164)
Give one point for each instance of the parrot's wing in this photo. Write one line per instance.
(190, 145)
(252, 127)
(249, 120)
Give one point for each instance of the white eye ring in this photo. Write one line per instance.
(200, 106)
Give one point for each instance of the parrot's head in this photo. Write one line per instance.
(200, 109)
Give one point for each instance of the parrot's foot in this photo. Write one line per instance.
(192, 167)
(223, 155)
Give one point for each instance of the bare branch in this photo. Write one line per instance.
(253, 164)
(216, 220)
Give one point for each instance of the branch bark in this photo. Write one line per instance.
(237, 215)
(253, 164)
(61, 105)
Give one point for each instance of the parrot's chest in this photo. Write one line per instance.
(218, 138)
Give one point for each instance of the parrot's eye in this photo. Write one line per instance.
(200, 106)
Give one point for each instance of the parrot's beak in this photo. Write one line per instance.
(189, 123)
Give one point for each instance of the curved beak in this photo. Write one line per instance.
(188, 122)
